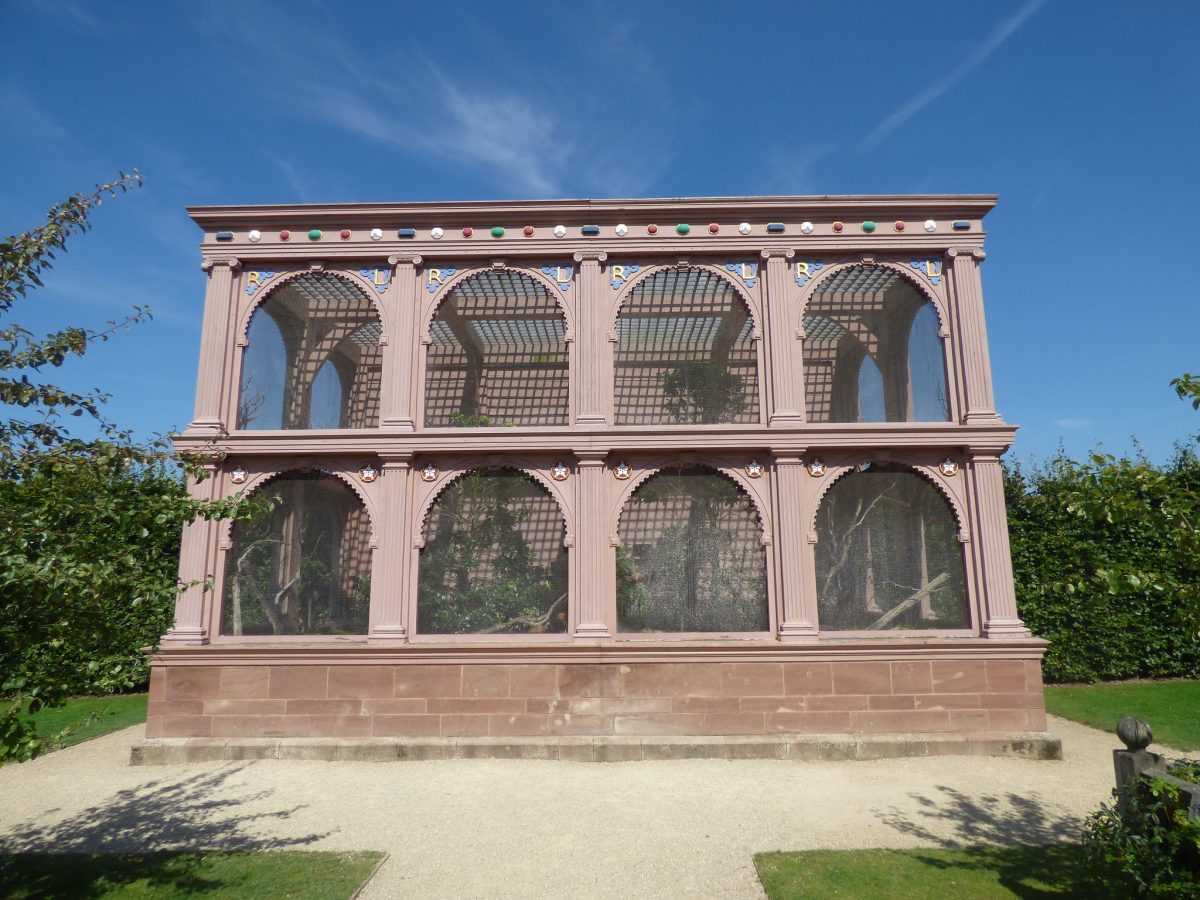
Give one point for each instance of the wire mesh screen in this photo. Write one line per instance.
(872, 351)
(691, 556)
(498, 355)
(493, 561)
(302, 564)
(685, 352)
(313, 359)
(888, 555)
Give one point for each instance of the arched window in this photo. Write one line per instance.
(691, 556)
(313, 359)
(888, 554)
(302, 565)
(498, 355)
(872, 351)
(493, 560)
(685, 352)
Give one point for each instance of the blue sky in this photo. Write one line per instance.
(1085, 118)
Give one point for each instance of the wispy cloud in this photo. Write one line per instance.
(526, 135)
(35, 121)
(518, 140)
(914, 105)
(78, 17)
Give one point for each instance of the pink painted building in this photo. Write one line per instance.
(598, 480)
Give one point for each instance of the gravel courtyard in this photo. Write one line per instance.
(518, 828)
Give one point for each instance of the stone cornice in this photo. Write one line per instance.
(942, 206)
(827, 649)
(985, 440)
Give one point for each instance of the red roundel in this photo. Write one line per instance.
(285, 235)
(467, 232)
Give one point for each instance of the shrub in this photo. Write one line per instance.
(1106, 562)
(1152, 850)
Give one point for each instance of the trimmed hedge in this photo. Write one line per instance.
(1107, 564)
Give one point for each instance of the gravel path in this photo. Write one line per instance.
(522, 828)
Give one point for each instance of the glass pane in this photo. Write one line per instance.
(498, 355)
(685, 352)
(327, 399)
(302, 566)
(316, 331)
(493, 561)
(691, 556)
(888, 555)
(927, 369)
(872, 351)
(265, 364)
(870, 392)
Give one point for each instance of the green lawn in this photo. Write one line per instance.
(1171, 707)
(88, 717)
(971, 873)
(234, 876)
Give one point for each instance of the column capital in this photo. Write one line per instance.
(231, 261)
(976, 253)
(777, 254)
(790, 458)
(399, 460)
(591, 458)
(405, 259)
(596, 256)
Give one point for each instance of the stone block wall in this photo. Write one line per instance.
(971, 696)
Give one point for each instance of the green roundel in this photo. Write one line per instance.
(498, 231)
(868, 226)
(315, 234)
(683, 227)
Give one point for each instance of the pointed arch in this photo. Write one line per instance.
(493, 558)
(888, 553)
(302, 565)
(686, 349)
(497, 352)
(321, 317)
(855, 316)
(691, 555)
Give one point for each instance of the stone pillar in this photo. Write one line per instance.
(994, 558)
(199, 539)
(219, 304)
(798, 621)
(390, 599)
(593, 350)
(596, 581)
(971, 339)
(785, 378)
(400, 355)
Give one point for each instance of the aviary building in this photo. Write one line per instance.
(598, 480)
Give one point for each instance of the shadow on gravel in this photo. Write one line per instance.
(189, 813)
(1009, 834)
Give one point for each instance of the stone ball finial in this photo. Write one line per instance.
(1134, 733)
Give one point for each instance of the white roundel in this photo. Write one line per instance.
(744, 228)
(376, 234)
(436, 233)
(930, 225)
(622, 230)
(806, 227)
(255, 236)
(560, 230)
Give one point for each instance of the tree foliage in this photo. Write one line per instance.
(89, 528)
